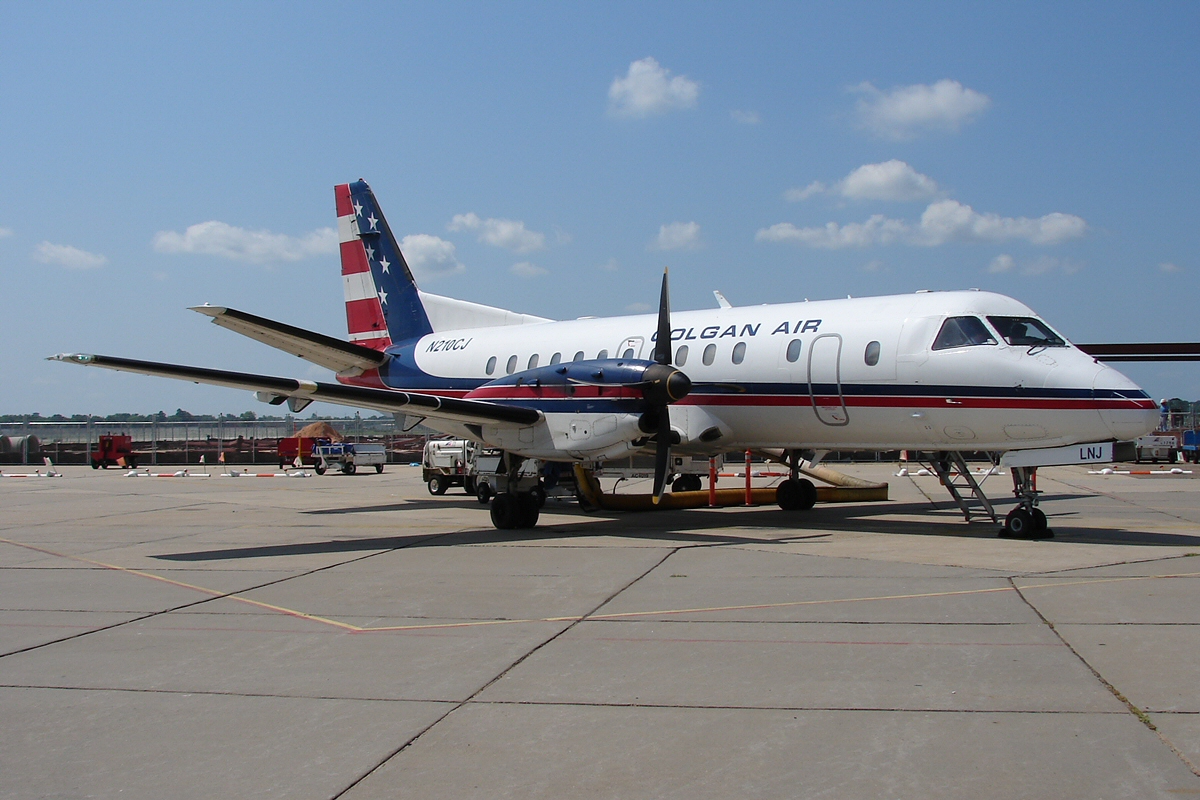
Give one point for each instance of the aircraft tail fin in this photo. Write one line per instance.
(382, 302)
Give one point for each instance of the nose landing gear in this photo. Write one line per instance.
(1026, 521)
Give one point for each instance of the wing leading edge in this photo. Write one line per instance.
(279, 389)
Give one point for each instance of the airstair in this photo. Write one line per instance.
(951, 469)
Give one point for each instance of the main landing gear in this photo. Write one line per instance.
(519, 498)
(796, 493)
(1026, 521)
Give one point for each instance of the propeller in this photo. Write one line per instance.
(667, 386)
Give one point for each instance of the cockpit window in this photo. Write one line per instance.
(1026, 332)
(962, 332)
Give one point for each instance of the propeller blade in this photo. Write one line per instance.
(662, 344)
(662, 453)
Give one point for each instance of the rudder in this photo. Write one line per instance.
(382, 302)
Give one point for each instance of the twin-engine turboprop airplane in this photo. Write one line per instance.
(940, 372)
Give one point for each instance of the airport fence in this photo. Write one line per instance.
(159, 442)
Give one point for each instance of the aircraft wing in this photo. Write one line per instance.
(302, 392)
(325, 351)
(1143, 351)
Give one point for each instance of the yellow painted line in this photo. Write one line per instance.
(346, 626)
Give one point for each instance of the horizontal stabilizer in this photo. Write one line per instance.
(326, 351)
(410, 403)
(1143, 351)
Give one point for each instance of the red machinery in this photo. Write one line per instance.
(112, 451)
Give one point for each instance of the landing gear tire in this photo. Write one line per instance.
(539, 494)
(506, 511)
(437, 485)
(529, 509)
(1018, 524)
(1041, 527)
(483, 493)
(796, 495)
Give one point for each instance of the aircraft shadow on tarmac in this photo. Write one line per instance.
(693, 527)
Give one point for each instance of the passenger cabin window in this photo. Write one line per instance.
(628, 353)
(512, 365)
(681, 355)
(491, 365)
(962, 332)
(710, 353)
(578, 356)
(739, 352)
(793, 351)
(871, 356)
(554, 359)
(533, 361)
(603, 354)
(1026, 332)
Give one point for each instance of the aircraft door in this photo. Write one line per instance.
(825, 379)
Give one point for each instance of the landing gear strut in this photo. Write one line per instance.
(1026, 521)
(796, 493)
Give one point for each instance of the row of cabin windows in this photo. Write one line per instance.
(870, 356)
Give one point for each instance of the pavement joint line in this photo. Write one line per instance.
(580, 703)
(1118, 564)
(358, 629)
(519, 660)
(1120, 696)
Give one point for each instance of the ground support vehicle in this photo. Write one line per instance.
(349, 457)
(303, 446)
(111, 449)
(1156, 447)
(1191, 446)
(449, 462)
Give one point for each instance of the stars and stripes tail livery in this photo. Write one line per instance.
(931, 371)
(382, 302)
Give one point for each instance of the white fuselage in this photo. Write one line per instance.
(863, 376)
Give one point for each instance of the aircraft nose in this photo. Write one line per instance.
(1126, 420)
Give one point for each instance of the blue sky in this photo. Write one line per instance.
(552, 158)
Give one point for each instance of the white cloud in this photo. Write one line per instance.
(648, 89)
(524, 269)
(66, 256)
(677, 236)
(507, 233)
(891, 180)
(796, 195)
(1169, 267)
(1001, 263)
(610, 266)
(639, 308)
(910, 110)
(745, 117)
(943, 221)
(874, 266)
(950, 220)
(876, 230)
(214, 238)
(429, 256)
(5, 233)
